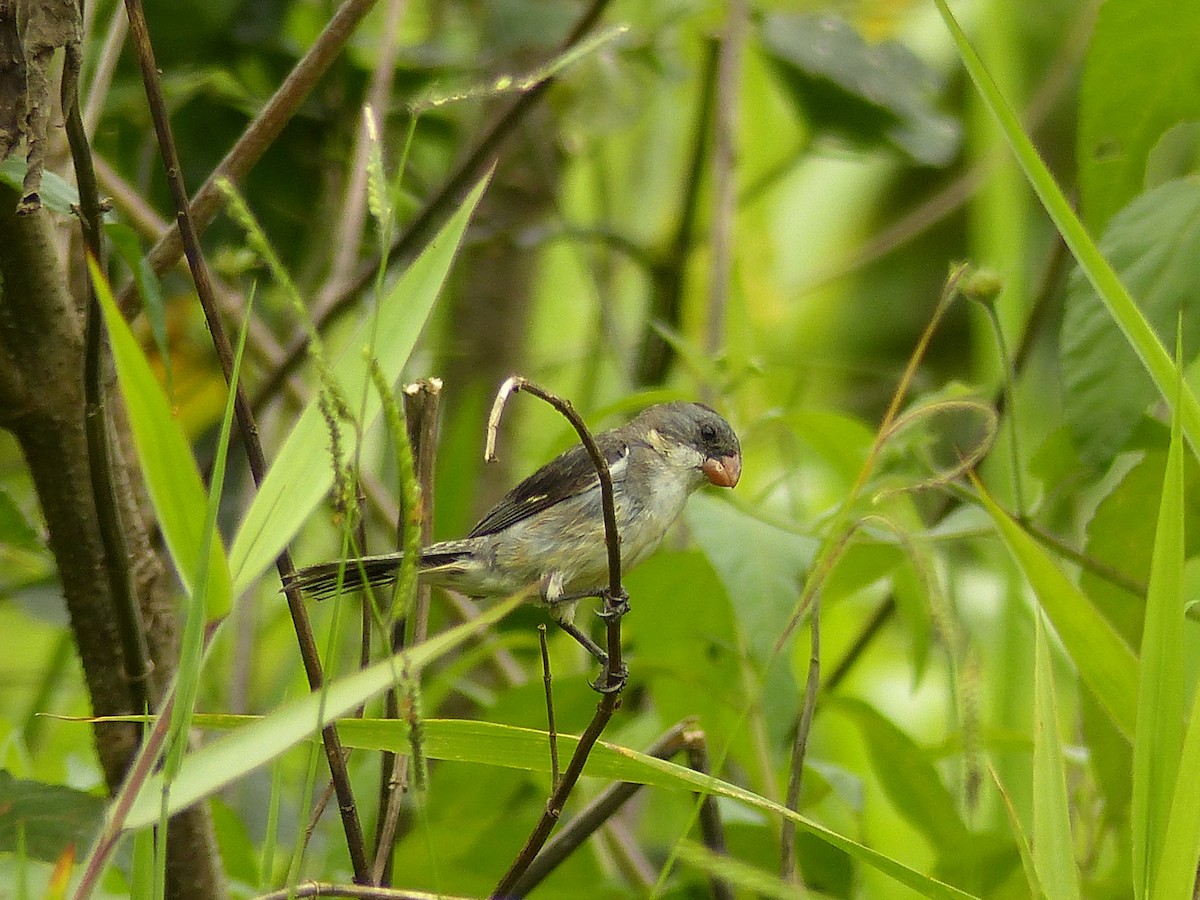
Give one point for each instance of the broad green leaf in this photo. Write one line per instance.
(53, 817)
(1159, 737)
(1053, 847)
(908, 776)
(1105, 662)
(222, 762)
(868, 92)
(172, 479)
(301, 474)
(1154, 245)
(1137, 331)
(1141, 76)
(761, 566)
(521, 748)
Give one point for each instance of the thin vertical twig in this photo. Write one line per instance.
(354, 206)
(126, 612)
(684, 736)
(421, 409)
(258, 136)
(787, 857)
(725, 122)
(615, 674)
(712, 832)
(654, 356)
(421, 230)
(356, 844)
(551, 729)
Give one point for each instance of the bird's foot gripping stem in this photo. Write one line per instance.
(604, 684)
(615, 605)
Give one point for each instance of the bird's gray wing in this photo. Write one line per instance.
(567, 475)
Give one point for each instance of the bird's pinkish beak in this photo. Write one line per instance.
(723, 472)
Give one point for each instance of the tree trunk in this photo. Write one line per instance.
(42, 404)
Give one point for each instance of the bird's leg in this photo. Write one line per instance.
(562, 609)
(584, 641)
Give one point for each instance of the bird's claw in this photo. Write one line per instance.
(615, 606)
(611, 683)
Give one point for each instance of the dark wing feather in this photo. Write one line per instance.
(567, 475)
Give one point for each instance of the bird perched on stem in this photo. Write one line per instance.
(549, 529)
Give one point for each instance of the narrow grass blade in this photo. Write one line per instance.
(1053, 847)
(525, 748)
(172, 479)
(224, 761)
(1159, 737)
(301, 475)
(1105, 662)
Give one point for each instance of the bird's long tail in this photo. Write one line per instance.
(323, 580)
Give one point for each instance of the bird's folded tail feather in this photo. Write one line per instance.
(323, 580)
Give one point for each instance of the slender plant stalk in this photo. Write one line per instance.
(355, 841)
(614, 675)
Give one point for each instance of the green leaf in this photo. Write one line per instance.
(1141, 76)
(172, 479)
(1154, 245)
(53, 817)
(1159, 737)
(58, 195)
(1105, 662)
(1181, 842)
(1053, 846)
(521, 748)
(762, 570)
(129, 246)
(908, 776)
(301, 475)
(222, 762)
(1137, 331)
(869, 92)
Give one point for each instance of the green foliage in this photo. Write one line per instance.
(1008, 667)
(1138, 81)
(1154, 245)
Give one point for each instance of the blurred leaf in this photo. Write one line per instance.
(761, 566)
(870, 93)
(749, 879)
(129, 246)
(223, 762)
(301, 474)
(15, 529)
(1141, 76)
(1159, 736)
(172, 479)
(1053, 845)
(690, 661)
(1115, 296)
(58, 195)
(1104, 661)
(1154, 245)
(53, 817)
(908, 776)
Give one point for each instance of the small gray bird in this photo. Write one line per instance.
(549, 529)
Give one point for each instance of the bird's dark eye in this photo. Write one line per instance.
(708, 432)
